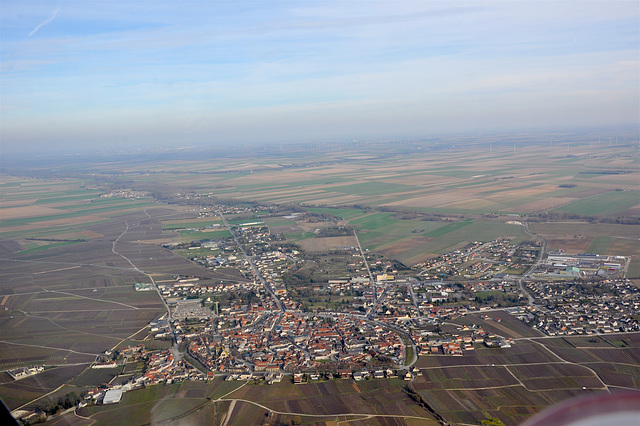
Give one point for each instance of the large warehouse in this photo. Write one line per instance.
(112, 396)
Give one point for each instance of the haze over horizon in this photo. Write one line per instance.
(116, 74)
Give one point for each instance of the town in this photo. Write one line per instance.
(373, 320)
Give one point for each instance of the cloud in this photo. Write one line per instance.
(46, 21)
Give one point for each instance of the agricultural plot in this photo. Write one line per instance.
(610, 203)
(511, 405)
(500, 323)
(514, 383)
(93, 376)
(541, 377)
(191, 223)
(323, 244)
(343, 213)
(470, 182)
(19, 392)
(145, 412)
(465, 377)
(65, 305)
(521, 353)
(337, 397)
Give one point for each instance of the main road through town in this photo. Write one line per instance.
(256, 271)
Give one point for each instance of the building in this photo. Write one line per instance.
(112, 396)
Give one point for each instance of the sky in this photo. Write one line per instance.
(120, 74)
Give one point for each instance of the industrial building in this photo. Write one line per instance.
(112, 396)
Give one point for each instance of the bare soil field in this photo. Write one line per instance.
(28, 211)
(513, 383)
(335, 398)
(569, 244)
(327, 243)
(583, 228)
(542, 205)
(464, 377)
(508, 326)
(520, 353)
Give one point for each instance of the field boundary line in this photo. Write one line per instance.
(47, 347)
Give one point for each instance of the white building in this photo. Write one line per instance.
(112, 396)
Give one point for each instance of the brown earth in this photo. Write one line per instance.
(327, 243)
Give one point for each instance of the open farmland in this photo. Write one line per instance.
(335, 398)
(17, 393)
(513, 383)
(281, 401)
(581, 178)
(64, 304)
(70, 258)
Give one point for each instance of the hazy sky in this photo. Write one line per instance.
(123, 73)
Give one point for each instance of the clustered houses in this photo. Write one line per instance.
(163, 368)
(125, 193)
(585, 307)
(296, 342)
(160, 367)
(481, 260)
(251, 332)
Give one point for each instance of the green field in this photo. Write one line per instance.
(373, 221)
(343, 213)
(449, 228)
(609, 203)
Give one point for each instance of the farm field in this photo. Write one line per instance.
(472, 182)
(69, 259)
(20, 392)
(65, 304)
(513, 383)
(335, 398)
(201, 401)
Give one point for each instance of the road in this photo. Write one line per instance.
(377, 302)
(366, 264)
(255, 269)
(155, 286)
(414, 299)
(524, 291)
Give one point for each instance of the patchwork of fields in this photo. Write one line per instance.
(69, 259)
